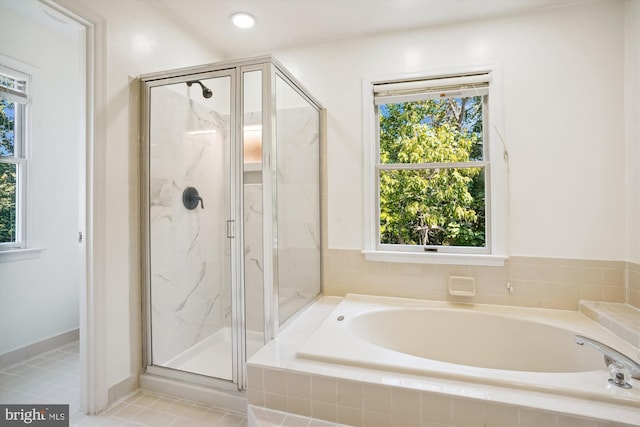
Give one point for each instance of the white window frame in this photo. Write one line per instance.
(495, 251)
(21, 158)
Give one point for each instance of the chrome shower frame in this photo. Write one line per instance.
(270, 68)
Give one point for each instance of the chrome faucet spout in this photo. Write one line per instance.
(612, 356)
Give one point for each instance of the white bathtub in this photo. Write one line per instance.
(532, 349)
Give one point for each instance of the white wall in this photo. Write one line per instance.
(563, 72)
(632, 126)
(39, 296)
(140, 39)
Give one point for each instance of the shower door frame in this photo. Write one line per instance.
(275, 69)
(270, 67)
(235, 213)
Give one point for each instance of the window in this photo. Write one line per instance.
(13, 159)
(430, 169)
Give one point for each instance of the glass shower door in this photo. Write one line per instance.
(190, 225)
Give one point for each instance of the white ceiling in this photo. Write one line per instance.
(283, 24)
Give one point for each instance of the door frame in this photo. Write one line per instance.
(92, 195)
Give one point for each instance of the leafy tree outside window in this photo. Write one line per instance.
(432, 166)
(13, 101)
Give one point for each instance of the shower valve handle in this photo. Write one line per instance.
(191, 198)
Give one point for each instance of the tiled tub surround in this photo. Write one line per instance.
(364, 397)
(530, 349)
(621, 319)
(536, 282)
(633, 284)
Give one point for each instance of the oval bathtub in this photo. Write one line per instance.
(516, 347)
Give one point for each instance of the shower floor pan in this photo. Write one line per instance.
(212, 356)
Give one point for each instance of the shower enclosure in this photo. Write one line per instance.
(231, 215)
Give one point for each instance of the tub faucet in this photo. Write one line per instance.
(615, 361)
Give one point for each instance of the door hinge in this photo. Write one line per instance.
(79, 236)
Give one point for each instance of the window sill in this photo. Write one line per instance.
(435, 258)
(11, 255)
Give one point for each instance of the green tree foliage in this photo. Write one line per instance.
(7, 202)
(7, 177)
(432, 206)
(6, 128)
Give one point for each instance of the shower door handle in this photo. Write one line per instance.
(230, 224)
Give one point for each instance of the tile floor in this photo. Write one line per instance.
(54, 377)
(51, 377)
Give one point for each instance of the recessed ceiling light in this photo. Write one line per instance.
(243, 20)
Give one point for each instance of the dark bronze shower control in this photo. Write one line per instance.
(191, 198)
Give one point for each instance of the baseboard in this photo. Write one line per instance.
(122, 389)
(23, 353)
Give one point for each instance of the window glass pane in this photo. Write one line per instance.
(7, 128)
(431, 131)
(442, 207)
(8, 212)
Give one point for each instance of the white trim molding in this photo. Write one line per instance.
(442, 258)
(93, 311)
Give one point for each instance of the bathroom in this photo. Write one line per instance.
(573, 188)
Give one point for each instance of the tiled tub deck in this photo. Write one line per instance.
(355, 396)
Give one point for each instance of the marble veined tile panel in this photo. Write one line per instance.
(190, 271)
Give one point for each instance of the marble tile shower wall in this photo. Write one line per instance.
(253, 269)
(537, 282)
(189, 299)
